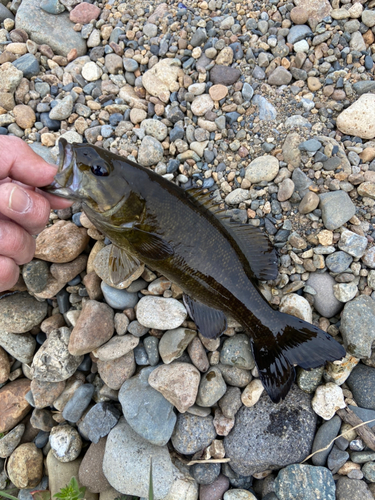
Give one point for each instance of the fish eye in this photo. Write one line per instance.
(99, 170)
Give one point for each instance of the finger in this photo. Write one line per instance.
(18, 160)
(29, 209)
(16, 243)
(55, 201)
(9, 272)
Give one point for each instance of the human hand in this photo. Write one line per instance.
(24, 211)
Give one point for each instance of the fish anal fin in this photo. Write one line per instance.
(291, 342)
(211, 322)
(257, 248)
(121, 265)
(205, 199)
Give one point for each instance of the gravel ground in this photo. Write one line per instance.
(269, 105)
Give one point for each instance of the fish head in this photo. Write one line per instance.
(86, 173)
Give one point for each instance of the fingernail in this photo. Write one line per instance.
(19, 200)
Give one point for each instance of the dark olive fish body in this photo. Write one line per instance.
(216, 263)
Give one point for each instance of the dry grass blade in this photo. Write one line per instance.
(333, 440)
(210, 461)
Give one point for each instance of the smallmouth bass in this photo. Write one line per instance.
(181, 234)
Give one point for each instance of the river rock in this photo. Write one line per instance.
(91, 468)
(65, 442)
(327, 399)
(25, 466)
(126, 463)
(13, 405)
(305, 481)
(62, 242)
(361, 382)
(264, 168)
(264, 436)
(45, 28)
(337, 208)
(20, 312)
(174, 342)
(357, 326)
(115, 371)
(99, 421)
(193, 433)
(357, 119)
(211, 388)
(160, 313)
(94, 327)
(10, 441)
(19, 345)
(326, 433)
(325, 301)
(146, 410)
(53, 362)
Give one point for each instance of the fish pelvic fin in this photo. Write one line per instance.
(295, 342)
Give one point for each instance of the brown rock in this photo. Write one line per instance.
(61, 243)
(113, 63)
(24, 115)
(72, 384)
(115, 372)
(339, 95)
(7, 101)
(92, 284)
(316, 9)
(91, 469)
(198, 355)
(94, 327)
(66, 272)
(25, 466)
(7, 57)
(84, 12)
(4, 366)
(299, 15)
(359, 119)
(178, 382)
(41, 419)
(13, 405)
(52, 323)
(313, 83)
(45, 393)
(51, 289)
(218, 92)
(367, 155)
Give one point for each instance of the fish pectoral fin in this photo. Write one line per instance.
(149, 245)
(121, 265)
(211, 322)
(257, 249)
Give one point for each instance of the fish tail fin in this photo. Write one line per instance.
(292, 342)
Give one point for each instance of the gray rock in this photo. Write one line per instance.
(28, 64)
(234, 376)
(364, 87)
(78, 403)
(126, 463)
(52, 6)
(336, 459)
(150, 151)
(99, 421)
(305, 481)
(199, 37)
(298, 32)
(19, 345)
(353, 243)
(297, 121)
(280, 76)
(265, 435)
(151, 345)
(44, 28)
(231, 402)
(247, 91)
(266, 110)
(361, 382)
(364, 414)
(369, 471)
(352, 489)
(20, 312)
(311, 145)
(308, 380)
(10, 441)
(357, 326)
(155, 128)
(338, 262)
(192, 433)
(301, 181)
(226, 75)
(146, 410)
(63, 109)
(174, 342)
(53, 362)
(118, 299)
(5, 13)
(35, 275)
(236, 351)
(212, 387)
(324, 301)
(337, 208)
(361, 457)
(326, 432)
(205, 473)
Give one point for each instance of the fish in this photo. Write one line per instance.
(184, 235)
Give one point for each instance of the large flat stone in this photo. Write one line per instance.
(44, 28)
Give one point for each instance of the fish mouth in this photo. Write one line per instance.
(68, 178)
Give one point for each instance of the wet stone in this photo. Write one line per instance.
(304, 481)
(236, 352)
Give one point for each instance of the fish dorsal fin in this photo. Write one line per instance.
(121, 265)
(205, 199)
(211, 323)
(257, 249)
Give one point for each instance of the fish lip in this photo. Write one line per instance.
(61, 185)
